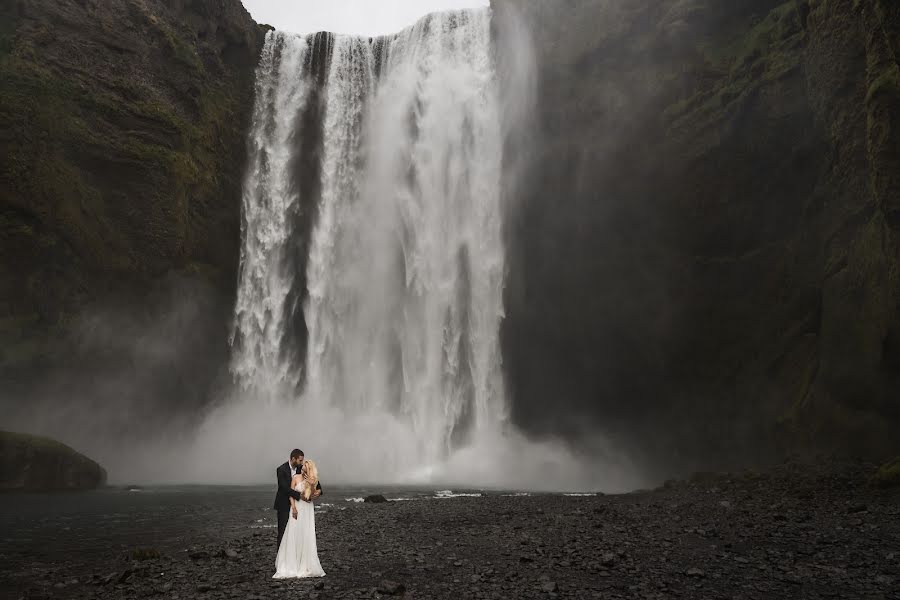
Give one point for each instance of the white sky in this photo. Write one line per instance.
(359, 17)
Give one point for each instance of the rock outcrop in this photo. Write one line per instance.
(705, 256)
(38, 464)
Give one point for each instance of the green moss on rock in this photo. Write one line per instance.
(888, 83)
(739, 62)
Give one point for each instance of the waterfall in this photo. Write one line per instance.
(372, 265)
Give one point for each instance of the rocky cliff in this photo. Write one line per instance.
(704, 258)
(122, 143)
(36, 464)
(703, 248)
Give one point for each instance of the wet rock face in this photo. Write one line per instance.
(703, 257)
(125, 141)
(37, 464)
(121, 161)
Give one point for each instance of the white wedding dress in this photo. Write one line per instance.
(298, 555)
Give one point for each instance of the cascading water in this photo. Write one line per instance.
(370, 294)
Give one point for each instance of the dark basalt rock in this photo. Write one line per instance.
(707, 235)
(391, 588)
(32, 463)
(375, 498)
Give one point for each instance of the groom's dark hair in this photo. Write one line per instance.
(296, 453)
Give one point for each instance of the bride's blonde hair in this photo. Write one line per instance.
(312, 477)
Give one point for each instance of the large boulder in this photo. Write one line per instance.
(34, 463)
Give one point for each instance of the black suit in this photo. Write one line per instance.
(283, 496)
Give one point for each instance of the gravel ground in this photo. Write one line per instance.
(793, 532)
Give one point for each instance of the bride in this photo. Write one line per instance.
(297, 555)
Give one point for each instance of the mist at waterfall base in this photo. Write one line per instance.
(370, 339)
(244, 443)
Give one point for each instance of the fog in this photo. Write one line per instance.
(244, 442)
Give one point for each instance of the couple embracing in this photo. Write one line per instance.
(298, 486)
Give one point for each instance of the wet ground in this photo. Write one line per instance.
(793, 532)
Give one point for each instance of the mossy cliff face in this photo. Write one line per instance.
(704, 258)
(122, 144)
(852, 66)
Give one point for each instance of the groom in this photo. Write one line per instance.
(283, 497)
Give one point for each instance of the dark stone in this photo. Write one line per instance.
(549, 587)
(375, 498)
(391, 588)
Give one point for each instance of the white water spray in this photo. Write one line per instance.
(396, 374)
(405, 266)
(281, 93)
